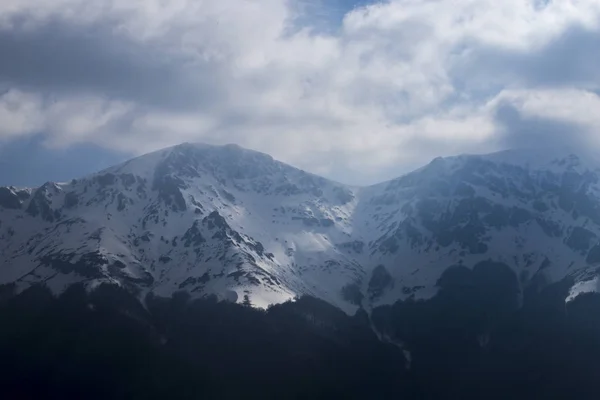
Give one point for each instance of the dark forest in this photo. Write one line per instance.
(480, 337)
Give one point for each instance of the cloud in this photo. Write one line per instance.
(19, 114)
(566, 118)
(358, 93)
(63, 59)
(522, 131)
(570, 60)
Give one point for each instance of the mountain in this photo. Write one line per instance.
(236, 223)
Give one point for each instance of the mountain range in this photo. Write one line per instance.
(238, 224)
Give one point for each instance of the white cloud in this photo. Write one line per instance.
(568, 105)
(394, 85)
(20, 114)
(572, 107)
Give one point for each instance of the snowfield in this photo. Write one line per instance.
(236, 223)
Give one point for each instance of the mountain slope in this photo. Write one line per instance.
(204, 219)
(236, 223)
(535, 212)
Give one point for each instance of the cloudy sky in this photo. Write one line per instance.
(359, 91)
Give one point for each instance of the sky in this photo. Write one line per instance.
(357, 91)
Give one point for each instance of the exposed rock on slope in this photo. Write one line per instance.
(239, 224)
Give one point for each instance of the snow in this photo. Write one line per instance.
(280, 207)
(589, 286)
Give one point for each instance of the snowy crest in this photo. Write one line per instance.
(236, 223)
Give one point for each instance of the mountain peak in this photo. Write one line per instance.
(237, 223)
(544, 157)
(231, 160)
(193, 159)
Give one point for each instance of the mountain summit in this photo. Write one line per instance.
(236, 223)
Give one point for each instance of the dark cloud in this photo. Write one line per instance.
(570, 60)
(59, 57)
(573, 59)
(518, 131)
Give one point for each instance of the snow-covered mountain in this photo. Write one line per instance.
(236, 223)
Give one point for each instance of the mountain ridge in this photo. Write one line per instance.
(542, 156)
(235, 222)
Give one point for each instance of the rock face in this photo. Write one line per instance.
(228, 221)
